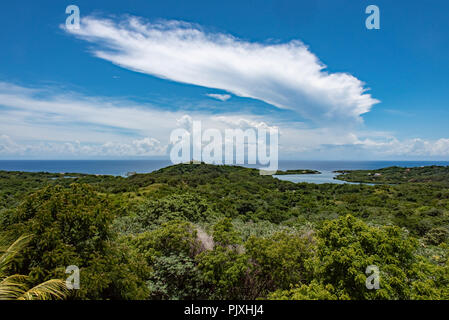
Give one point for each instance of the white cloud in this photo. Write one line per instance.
(48, 123)
(221, 97)
(30, 113)
(185, 122)
(409, 147)
(149, 146)
(8, 146)
(144, 147)
(286, 75)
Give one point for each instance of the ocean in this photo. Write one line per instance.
(122, 167)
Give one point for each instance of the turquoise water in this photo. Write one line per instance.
(324, 177)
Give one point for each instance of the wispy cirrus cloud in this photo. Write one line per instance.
(286, 75)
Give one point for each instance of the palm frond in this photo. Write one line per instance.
(8, 254)
(48, 290)
(16, 286)
(13, 287)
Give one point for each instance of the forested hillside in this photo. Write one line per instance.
(396, 175)
(197, 231)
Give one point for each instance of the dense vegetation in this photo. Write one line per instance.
(15, 286)
(198, 231)
(428, 174)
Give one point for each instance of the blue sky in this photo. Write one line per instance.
(383, 94)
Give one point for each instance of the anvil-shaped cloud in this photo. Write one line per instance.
(285, 75)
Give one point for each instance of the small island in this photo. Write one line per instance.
(296, 171)
(397, 175)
